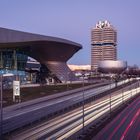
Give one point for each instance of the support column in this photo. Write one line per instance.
(15, 63)
(1, 60)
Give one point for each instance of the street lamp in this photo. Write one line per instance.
(1, 106)
(83, 104)
(122, 94)
(136, 86)
(123, 82)
(68, 79)
(110, 93)
(131, 85)
(110, 96)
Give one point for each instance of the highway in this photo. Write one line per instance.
(64, 126)
(19, 115)
(126, 126)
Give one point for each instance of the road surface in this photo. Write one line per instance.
(126, 126)
(67, 124)
(19, 115)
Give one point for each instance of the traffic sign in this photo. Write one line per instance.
(16, 88)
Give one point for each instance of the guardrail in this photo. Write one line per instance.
(19, 120)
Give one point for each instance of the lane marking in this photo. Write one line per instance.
(130, 124)
(116, 119)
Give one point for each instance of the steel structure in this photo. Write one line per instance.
(51, 52)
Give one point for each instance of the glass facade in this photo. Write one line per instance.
(12, 65)
(12, 59)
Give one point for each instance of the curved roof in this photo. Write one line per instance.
(41, 47)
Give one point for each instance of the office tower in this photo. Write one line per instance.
(103, 43)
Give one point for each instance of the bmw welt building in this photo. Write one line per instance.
(52, 53)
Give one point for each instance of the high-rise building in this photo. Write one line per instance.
(103, 43)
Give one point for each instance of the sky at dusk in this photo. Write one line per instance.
(74, 19)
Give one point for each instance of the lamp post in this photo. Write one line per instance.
(1, 106)
(67, 80)
(136, 86)
(123, 82)
(131, 85)
(122, 94)
(83, 105)
(110, 94)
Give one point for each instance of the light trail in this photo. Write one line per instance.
(91, 119)
(69, 123)
(130, 124)
(124, 126)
